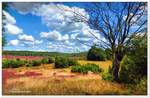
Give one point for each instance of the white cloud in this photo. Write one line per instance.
(9, 26)
(14, 42)
(38, 41)
(8, 18)
(54, 35)
(63, 31)
(23, 7)
(56, 16)
(12, 29)
(65, 37)
(25, 37)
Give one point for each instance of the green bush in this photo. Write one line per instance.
(36, 63)
(142, 86)
(50, 60)
(96, 54)
(73, 62)
(107, 76)
(12, 63)
(134, 63)
(61, 62)
(33, 63)
(6, 64)
(86, 68)
(45, 61)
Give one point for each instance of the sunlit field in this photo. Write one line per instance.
(46, 80)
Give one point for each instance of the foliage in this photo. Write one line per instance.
(96, 54)
(134, 63)
(4, 7)
(35, 62)
(61, 62)
(47, 60)
(12, 63)
(108, 53)
(142, 86)
(6, 64)
(107, 76)
(73, 62)
(86, 68)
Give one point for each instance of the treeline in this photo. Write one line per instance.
(81, 55)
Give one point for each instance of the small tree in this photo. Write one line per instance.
(4, 7)
(96, 54)
(134, 64)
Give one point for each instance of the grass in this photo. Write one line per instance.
(103, 64)
(59, 84)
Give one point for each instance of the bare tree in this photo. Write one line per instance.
(118, 23)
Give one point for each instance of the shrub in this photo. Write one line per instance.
(85, 68)
(61, 62)
(45, 61)
(12, 63)
(16, 63)
(142, 86)
(33, 63)
(50, 60)
(134, 63)
(73, 62)
(6, 64)
(96, 54)
(36, 63)
(107, 76)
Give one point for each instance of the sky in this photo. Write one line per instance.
(35, 26)
(47, 27)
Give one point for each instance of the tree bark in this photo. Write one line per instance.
(116, 65)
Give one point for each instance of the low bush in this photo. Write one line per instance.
(6, 64)
(50, 60)
(61, 62)
(107, 76)
(86, 68)
(142, 86)
(44, 61)
(12, 63)
(36, 63)
(33, 63)
(73, 62)
(47, 60)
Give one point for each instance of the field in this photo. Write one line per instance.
(47, 80)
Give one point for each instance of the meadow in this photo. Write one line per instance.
(45, 79)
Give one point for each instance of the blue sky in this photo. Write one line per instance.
(45, 27)
(50, 27)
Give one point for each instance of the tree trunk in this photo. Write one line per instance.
(116, 65)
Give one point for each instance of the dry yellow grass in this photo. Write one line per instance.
(51, 86)
(61, 83)
(103, 64)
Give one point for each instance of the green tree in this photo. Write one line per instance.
(96, 54)
(4, 7)
(134, 64)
